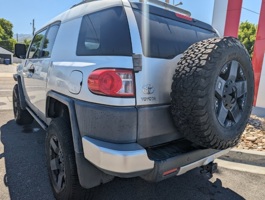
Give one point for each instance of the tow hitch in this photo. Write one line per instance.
(209, 169)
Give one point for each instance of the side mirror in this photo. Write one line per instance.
(20, 51)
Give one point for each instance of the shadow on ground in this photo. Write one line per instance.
(26, 175)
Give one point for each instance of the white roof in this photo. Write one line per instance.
(4, 51)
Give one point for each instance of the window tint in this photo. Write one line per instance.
(35, 48)
(168, 38)
(105, 33)
(49, 41)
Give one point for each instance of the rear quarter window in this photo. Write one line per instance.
(105, 33)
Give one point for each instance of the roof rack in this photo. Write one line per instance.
(155, 2)
(168, 7)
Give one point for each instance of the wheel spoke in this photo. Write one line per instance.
(222, 115)
(241, 88)
(233, 70)
(55, 164)
(236, 113)
(54, 146)
(219, 86)
(60, 180)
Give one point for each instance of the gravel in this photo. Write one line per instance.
(254, 135)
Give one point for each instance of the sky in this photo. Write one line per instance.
(22, 12)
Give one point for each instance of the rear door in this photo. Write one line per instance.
(164, 37)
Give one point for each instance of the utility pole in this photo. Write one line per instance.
(17, 37)
(33, 27)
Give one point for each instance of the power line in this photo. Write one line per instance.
(251, 11)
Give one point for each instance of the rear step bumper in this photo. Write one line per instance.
(182, 163)
(131, 160)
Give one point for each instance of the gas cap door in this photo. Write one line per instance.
(75, 82)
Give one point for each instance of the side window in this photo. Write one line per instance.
(35, 48)
(105, 33)
(49, 41)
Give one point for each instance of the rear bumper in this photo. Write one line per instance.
(131, 160)
(118, 159)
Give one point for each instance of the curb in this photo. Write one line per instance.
(243, 160)
(260, 112)
(240, 167)
(253, 152)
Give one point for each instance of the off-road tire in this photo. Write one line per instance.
(194, 105)
(22, 117)
(60, 131)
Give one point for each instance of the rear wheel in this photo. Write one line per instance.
(212, 92)
(61, 164)
(22, 117)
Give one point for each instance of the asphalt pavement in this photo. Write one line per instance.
(23, 173)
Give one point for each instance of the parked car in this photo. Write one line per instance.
(128, 89)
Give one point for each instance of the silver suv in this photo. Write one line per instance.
(126, 88)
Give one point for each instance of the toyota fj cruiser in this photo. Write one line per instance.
(127, 89)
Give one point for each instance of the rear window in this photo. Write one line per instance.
(167, 38)
(105, 33)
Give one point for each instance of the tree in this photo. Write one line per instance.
(8, 44)
(6, 35)
(27, 42)
(2, 32)
(247, 35)
(7, 26)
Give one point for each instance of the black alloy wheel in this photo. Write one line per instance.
(22, 117)
(57, 164)
(230, 94)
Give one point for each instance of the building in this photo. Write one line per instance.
(5, 54)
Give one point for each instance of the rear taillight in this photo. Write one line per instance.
(112, 82)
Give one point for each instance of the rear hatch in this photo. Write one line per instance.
(165, 35)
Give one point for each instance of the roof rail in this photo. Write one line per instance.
(168, 7)
(82, 2)
(155, 2)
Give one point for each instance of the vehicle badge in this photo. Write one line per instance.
(148, 89)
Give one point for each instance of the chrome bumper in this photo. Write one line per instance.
(117, 158)
(132, 158)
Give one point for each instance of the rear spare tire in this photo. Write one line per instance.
(212, 92)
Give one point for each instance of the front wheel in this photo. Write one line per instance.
(60, 159)
(22, 117)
